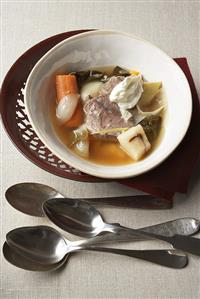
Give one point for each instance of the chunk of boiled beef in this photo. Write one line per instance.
(102, 114)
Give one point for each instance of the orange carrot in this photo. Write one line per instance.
(77, 117)
(66, 84)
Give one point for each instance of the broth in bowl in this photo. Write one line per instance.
(108, 115)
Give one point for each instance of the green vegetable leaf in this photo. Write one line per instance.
(151, 126)
(118, 71)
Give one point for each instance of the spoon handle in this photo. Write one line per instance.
(185, 243)
(134, 201)
(169, 258)
(182, 226)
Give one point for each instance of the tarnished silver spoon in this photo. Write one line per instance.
(80, 218)
(14, 257)
(29, 198)
(45, 245)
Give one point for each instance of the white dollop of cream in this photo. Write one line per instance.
(66, 107)
(127, 93)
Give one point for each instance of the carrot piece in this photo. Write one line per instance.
(65, 84)
(77, 117)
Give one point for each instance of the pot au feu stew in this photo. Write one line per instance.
(108, 115)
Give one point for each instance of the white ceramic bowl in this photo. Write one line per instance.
(101, 48)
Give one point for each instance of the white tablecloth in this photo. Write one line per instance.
(172, 25)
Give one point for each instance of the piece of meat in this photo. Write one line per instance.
(102, 114)
(110, 84)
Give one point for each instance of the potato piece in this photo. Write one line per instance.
(150, 90)
(90, 88)
(134, 142)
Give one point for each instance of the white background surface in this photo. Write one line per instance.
(172, 25)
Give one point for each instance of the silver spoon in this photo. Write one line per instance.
(29, 198)
(80, 218)
(14, 258)
(45, 245)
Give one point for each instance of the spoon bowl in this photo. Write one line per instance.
(42, 244)
(15, 258)
(76, 216)
(28, 198)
